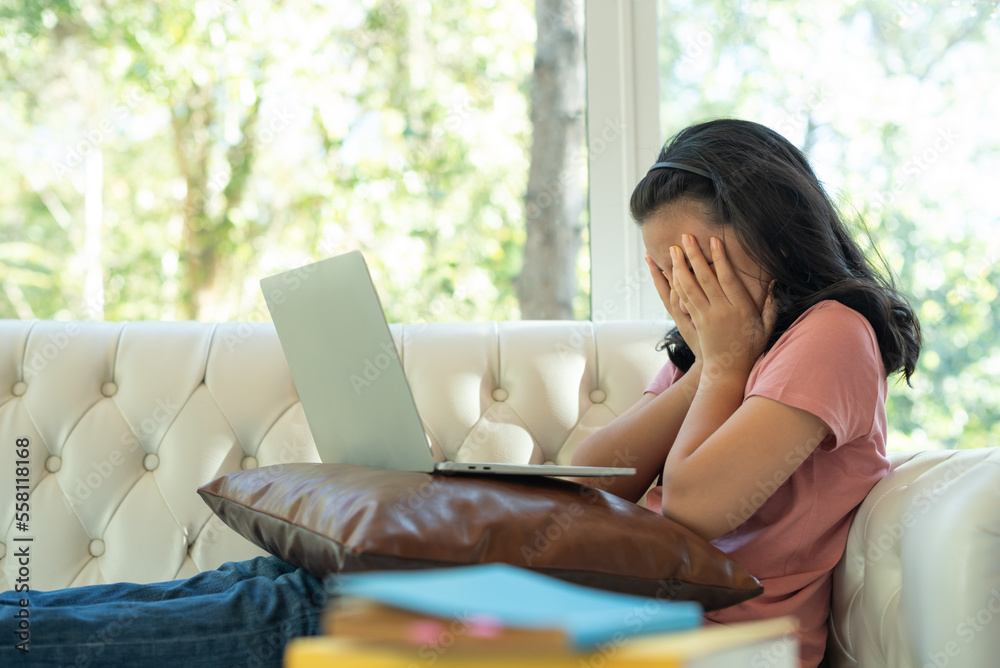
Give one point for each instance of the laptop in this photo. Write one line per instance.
(344, 364)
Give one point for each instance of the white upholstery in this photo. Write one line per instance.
(127, 420)
(919, 582)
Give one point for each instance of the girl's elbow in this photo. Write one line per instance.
(692, 511)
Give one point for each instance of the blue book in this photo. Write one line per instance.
(519, 598)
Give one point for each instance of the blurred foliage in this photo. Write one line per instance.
(241, 139)
(894, 102)
(216, 142)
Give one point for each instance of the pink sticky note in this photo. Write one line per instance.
(425, 632)
(484, 626)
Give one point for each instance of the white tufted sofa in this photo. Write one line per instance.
(127, 420)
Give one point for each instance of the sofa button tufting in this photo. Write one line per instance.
(249, 462)
(109, 389)
(500, 394)
(598, 396)
(53, 463)
(150, 462)
(19, 388)
(96, 547)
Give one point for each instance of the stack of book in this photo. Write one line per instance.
(498, 615)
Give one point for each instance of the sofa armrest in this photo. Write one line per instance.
(919, 582)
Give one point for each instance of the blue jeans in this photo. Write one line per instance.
(239, 615)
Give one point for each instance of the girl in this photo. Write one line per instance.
(767, 425)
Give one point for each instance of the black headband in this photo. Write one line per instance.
(677, 165)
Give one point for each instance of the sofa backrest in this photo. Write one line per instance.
(125, 421)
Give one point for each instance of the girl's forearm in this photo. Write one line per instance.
(719, 395)
(640, 439)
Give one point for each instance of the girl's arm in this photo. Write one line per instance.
(640, 437)
(730, 457)
(729, 450)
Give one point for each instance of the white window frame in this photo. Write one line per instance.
(623, 140)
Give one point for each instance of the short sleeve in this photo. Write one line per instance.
(829, 364)
(666, 377)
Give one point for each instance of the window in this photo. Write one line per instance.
(164, 157)
(895, 104)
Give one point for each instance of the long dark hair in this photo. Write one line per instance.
(763, 187)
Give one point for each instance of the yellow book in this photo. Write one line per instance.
(769, 643)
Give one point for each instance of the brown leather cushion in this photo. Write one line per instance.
(339, 517)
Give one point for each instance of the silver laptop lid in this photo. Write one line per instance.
(345, 366)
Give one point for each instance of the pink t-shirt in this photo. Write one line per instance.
(827, 363)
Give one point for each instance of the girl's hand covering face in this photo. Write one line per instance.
(731, 329)
(671, 299)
